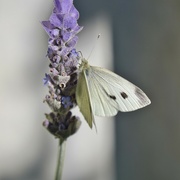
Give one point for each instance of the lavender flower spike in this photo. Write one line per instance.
(62, 29)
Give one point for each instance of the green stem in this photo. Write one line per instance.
(60, 160)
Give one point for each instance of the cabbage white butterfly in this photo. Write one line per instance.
(103, 93)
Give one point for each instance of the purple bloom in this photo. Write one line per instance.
(48, 27)
(66, 101)
(74, 53)
(62, 29)
(62, 26)
(46, 79)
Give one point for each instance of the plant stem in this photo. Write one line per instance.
(60, 160)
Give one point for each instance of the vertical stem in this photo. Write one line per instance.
(60, 160)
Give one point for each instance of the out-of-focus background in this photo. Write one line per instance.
(140, 40)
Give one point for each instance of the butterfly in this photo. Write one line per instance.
(101, 92)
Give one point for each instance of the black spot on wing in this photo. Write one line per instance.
(111, 96)
(124, 95)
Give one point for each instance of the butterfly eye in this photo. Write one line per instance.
(124, 95)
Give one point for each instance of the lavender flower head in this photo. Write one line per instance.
(62, 29)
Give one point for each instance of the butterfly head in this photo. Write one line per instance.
(84, 65)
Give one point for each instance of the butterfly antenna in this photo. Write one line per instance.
(94, 46)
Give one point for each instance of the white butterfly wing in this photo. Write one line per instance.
(110, 93)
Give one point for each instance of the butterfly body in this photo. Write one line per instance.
(103, 93)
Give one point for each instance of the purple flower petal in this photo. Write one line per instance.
(64, 51)
(66, 101)
(74, 13)
(63, 6)
(69, 22)
(54, 47)
(72, 42)
(65, 35)
(66, 5)
(55, 33)
(56, 58)
(55, 20)
(58, 7)
(74, 53)
(46, 79)
(47, 27)
(77, 29)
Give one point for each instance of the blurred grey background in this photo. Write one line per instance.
(141, 40)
